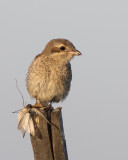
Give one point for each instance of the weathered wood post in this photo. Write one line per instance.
(52, 144)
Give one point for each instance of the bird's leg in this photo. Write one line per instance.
(37, 104)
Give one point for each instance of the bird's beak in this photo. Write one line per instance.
(77, 53)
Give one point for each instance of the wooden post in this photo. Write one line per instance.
(52, 144)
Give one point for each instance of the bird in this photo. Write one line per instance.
(49, 75)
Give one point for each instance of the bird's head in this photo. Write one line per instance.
(61, 50)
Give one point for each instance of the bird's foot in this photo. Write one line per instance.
(46, 108)
(41, 107)
(37, 104)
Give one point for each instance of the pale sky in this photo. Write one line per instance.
(95, 113)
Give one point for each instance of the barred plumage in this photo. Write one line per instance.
(49, 76)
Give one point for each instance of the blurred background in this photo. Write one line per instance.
(95, 113)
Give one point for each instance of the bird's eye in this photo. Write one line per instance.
(62, 48)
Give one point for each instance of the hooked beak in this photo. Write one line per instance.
(77, 53)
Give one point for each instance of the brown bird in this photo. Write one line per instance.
(49, 76)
